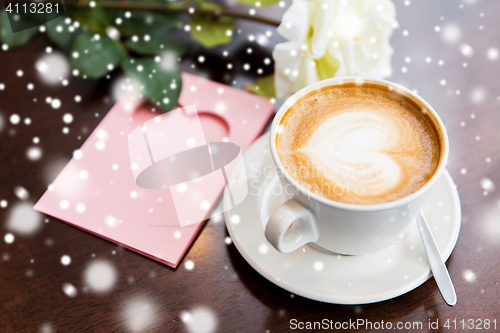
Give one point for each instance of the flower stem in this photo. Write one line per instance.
(158, 7)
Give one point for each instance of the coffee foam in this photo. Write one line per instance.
(357, 144)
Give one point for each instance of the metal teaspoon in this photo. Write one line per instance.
(438, 268)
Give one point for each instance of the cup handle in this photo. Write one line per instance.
(291, 226)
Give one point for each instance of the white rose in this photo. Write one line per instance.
(329, 38)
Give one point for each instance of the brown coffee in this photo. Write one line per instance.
(358, 144)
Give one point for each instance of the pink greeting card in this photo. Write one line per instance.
(97, 190)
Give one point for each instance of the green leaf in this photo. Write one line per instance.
(160, 83)
(263, 3)
(91, 54)
(92, 19)
(142, 23)
(157, 45)
(263, 86)
(210, 31)
(327, 66)
(62, 34)
(18, 39)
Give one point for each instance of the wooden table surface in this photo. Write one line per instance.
(222, 289)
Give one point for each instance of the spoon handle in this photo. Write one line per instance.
(438, 267)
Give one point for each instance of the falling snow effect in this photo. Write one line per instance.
(100, 276)
(478, 95)
(235, 219)
(139, 314)
(100, 145)
(21, 192)
(55, 103)
(451, 33)
(189, 265)
(52, 68)
(123, 86)
(111, 221)
(53, 168)
(487, 185)
(15, 119)
(64, 204)
(46, 328)
(80, 208)
(23, 219)
(199, 320)
(9, 238)
(112, 33)
(217, 217)
(466, 50)
(65, 260)
(492, 54)
(34, 153)
(469, 276)
(69, 290)
(168, 61)
(318, 265)
(83, 174)
(490, 224)
(78, 154)
(68, 118)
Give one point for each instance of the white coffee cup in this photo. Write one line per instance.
(341, 227)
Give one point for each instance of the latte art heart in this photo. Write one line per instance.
(357, 144)
(349, 150)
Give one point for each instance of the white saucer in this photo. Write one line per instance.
(325, 276)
